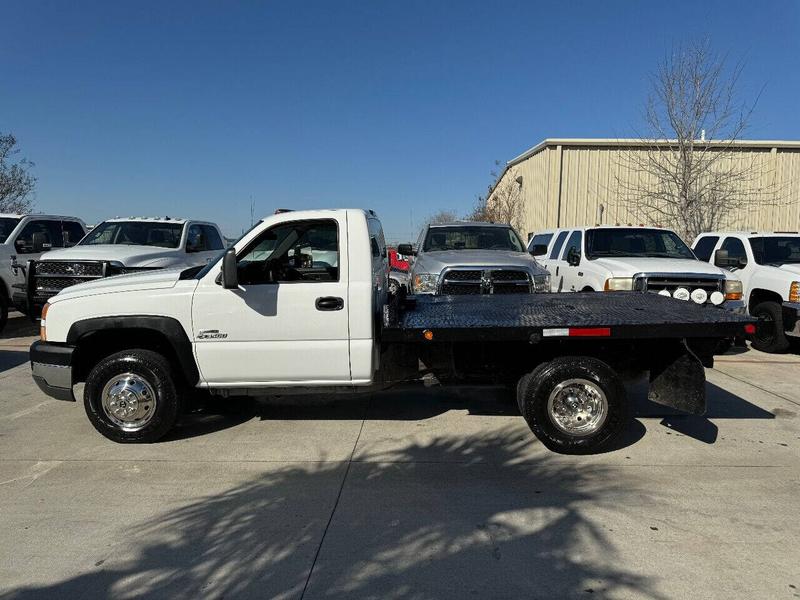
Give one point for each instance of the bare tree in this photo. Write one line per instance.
(442, 216)
(503, 203)
(16, 182)
(686, 172)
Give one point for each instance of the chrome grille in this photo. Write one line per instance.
(50, 277)
(459, 282)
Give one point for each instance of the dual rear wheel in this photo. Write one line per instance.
(574, 405)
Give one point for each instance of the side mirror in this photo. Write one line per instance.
(230, 273)
(538, 250)
(573, 257)
(38, 241)
(724, 261)
(406, 250)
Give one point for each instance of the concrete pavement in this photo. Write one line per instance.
(413, 493)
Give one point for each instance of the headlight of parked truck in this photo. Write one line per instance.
(425, 283)
(541, 283)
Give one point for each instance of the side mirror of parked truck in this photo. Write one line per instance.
(230, 276)
(574, 257)
(724, 261)
(538, 250)
(406, 250)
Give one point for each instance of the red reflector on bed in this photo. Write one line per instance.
(589, 331)
(750, 329)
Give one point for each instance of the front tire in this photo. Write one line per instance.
(574, 405)
(770, 336)
(131, 396)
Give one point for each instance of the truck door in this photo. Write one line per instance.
(552, 263)
(288, 320)
(569, 274)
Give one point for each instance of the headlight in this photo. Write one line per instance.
(794, 292)
(425, 283)
(541, 283)
(618, 284)
(733, 289)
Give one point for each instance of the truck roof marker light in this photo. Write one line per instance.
(750, 329)
(428, 335)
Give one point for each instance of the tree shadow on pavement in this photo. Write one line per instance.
(481, 516)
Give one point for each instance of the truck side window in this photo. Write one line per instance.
(213, 239)
(195, 240)
(557, 246)
(292, 252)
(573, 242)
(53, 236)
(735, 248)
(541, 239)
(705, 246)
(73, 232)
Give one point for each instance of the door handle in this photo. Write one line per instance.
(329, 303)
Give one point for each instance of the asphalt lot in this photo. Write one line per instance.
(413, 493)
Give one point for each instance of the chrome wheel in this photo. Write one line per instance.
(578, 407)
(129, 401)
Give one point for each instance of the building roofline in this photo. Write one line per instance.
(631, 142)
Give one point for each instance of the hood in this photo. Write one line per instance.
(793, 268)
(148, 280)
(434, 262)
(629, 266)
(128, 255)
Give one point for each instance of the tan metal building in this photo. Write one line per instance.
(572, 182)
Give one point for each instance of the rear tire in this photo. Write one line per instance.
(770, 336)
(131, 396)
(574, 405)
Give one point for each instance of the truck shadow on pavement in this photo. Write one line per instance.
(12, 358)
(458, 516)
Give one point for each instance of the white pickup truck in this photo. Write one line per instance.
(769, 267)
(25, 237)
(123, 245)
(300, 303)
(647, 259)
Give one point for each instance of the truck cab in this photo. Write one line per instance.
(615, 258)
(24, 238)
(768, 263)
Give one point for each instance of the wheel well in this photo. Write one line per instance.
(758, 296)
(588, 288)
(96, 345)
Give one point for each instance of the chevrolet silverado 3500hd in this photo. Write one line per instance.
(300, 303)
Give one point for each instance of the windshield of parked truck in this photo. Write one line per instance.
(136, 233)
(635, 241)
(7, 225)
(776, 250)
(471, 237)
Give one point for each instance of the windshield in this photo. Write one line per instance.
(468, 237)
(636, 241)
(776, 250)
(7, 225)
(135, 233)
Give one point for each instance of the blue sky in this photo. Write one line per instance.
(193, 108)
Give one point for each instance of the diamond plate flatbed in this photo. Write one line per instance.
(628, 315)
